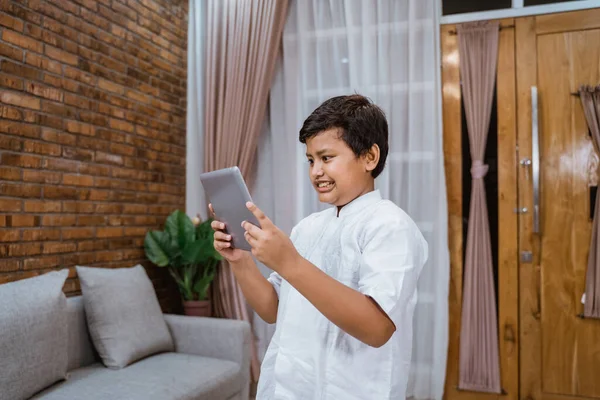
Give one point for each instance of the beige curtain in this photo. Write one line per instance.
(590, 99)
(243, 38)
(479, 364)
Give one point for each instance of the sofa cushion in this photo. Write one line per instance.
(167, 376)
(33, 335)
(124, 318)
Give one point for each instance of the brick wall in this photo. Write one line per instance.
(92, 133)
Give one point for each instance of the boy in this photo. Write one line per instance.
(343, 290)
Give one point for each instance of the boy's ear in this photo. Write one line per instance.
(371, 158)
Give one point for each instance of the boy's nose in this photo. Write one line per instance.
(316, 171)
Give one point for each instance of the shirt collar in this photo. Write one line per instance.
(360, 203)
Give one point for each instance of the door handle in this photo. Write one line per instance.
(535, 159)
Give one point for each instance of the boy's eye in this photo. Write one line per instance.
(327, 158)
(310, 161)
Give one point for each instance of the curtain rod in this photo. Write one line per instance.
(502, 27)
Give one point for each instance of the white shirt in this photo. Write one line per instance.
(375, 248)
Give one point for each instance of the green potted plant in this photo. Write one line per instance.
(186, 249)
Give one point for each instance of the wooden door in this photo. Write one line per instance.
(507, 295)
(559, 351)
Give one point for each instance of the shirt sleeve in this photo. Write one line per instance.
(275, 278)
(392, 259)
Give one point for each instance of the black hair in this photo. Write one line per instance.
(361, 122)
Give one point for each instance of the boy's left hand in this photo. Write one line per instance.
(270, 245)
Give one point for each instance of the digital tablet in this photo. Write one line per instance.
(228, 194)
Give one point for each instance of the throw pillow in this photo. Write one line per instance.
(33, 335)
(123, 314)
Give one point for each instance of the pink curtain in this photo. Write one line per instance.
(590, 99)
(243, 38)
(479, 363)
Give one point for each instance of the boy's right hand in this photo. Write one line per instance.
(222, 241)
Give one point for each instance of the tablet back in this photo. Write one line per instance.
(228, 194)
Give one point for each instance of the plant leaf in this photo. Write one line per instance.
(180, 228)
(198, 252)
(157, 247)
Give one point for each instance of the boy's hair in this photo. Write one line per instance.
(361, 122)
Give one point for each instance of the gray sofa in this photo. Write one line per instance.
(211, 362)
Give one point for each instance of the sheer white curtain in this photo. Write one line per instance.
(386, 50)
(195, 202)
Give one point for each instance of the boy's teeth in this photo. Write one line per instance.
(324, 184)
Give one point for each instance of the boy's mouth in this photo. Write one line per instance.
(324, 186)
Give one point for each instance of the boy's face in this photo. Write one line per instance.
(337, 174)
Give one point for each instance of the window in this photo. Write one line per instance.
(465, 6)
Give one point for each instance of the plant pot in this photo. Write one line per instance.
(197, 308)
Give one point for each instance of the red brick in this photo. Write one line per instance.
(20, 70)
(11, 143)
(40, 234)
(20, 190)
(109, 158)
(44, 91)
(61, 55)
(9, 235)
(19, 129)
(51, 135)
(78, 75)
(66, 5)
(43, 206)
(91, 4)
(77, 233)
(78, 127)
(23, 220)
(21, 160)
(43, 63)
(78, 207)
(58, 247)
(96, 170)
(58, 164)
(121, 125)
(110, 86)
(21, 249)
(20, 100)
(92, 245)
(9, 205)
(78, 180)
(41, 148)
(59, 220)
(55, 81)
(59, 109)
(10, 22)
(41, 262)
(11, 52)
(45, 8)
(10, 265)
(60, 28)
(10, 174)
(77, 101)
(109, 232)
(109, 256)
(96, 195)
(91, 220)
(79, 259)
(135, 231)
(22, 41)
(11, 82)
(108, 208)
(77, 154)
(59, 192)
(41, 176)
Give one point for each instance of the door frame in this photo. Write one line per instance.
(508, 306)
(530, 303)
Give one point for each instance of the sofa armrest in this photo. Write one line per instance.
(225, 339)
